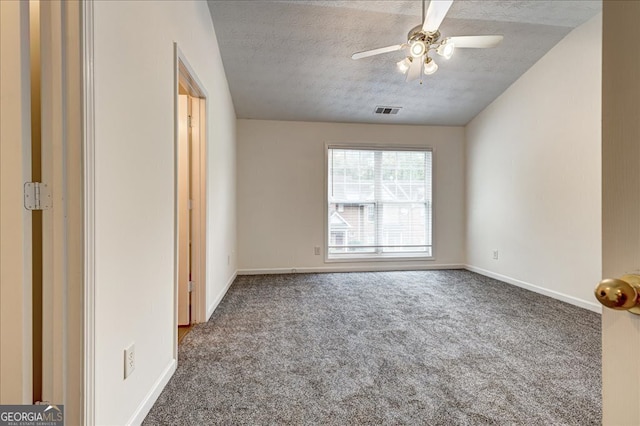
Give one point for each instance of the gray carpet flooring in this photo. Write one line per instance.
(419, 347)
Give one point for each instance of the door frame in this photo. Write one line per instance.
(63, 169)
(89, 214)
(184, 73)
(63, 229)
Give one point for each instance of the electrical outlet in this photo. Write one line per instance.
(129, 360)
(495, 254)
(316, 250)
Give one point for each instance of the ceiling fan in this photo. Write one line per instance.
(423, 39)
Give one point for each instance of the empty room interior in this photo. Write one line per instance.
(510, 191)
(393, 212)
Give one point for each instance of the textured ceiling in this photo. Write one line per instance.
(291, 60)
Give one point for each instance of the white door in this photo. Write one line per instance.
(15, 220)
(183, 190)
(620, 205)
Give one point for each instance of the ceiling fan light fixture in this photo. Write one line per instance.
(418, 48)
(446, 49)
(404, 64)
(430, 66)
(424, 38)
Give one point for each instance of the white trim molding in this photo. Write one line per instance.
(220, 296)
(153, 395)
(591, 306)
(89, 211)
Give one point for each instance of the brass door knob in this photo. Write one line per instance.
(620, 293)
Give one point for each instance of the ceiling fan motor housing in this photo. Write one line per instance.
(425, 38)
(416, 33)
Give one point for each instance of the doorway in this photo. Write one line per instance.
(190, 198)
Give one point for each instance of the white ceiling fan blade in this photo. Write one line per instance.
(435, 14)
(378, 51)
(477, 42)
(414, 69)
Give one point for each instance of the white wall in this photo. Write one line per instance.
(134, 138)
(281, 192)
(534, 174)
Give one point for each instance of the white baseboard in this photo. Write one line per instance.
(144, 408)
(592, 306)
(219, 297)
(152, 396)
(338, 268)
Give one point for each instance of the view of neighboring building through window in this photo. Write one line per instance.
(379, 203)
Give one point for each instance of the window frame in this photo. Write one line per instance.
(359, 257)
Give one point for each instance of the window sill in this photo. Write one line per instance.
(387, 258)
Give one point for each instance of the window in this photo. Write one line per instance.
(379, 203)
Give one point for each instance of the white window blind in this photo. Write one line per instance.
(379, 203)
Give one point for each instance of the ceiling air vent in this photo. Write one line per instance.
(387, 110)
